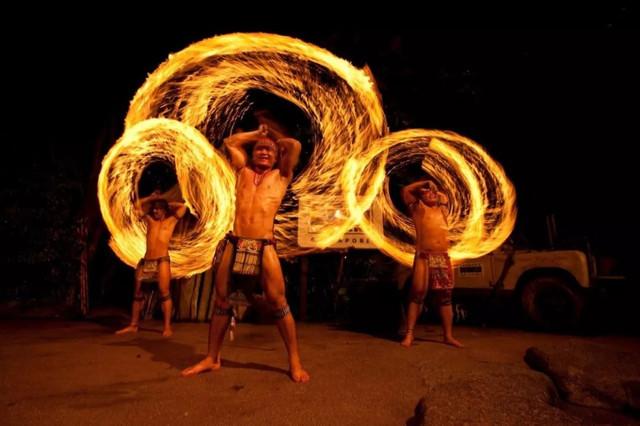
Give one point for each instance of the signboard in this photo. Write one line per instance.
(311, 220)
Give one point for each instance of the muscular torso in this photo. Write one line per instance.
(431, 228)
(257, 205)
(158, 235)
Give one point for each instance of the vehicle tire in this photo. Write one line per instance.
(552, 303)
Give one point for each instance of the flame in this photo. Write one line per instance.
(205, 179)
(482, 209)
(205, 87)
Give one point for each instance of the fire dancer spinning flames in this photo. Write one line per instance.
(201, 93)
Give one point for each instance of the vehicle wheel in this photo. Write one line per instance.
(550, 302)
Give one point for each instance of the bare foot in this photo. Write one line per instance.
(298, 375)
(206, 364)
(133, 328)
(453, 342)
(408, 340)
(167, 332)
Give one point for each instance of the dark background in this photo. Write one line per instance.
(555, 102)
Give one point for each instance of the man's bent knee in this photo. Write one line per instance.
(281, 312)
(442, 297)
(276, 298)
(279, 306)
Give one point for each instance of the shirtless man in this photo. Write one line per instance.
(161, 218)
(431, 266)
(250, 249)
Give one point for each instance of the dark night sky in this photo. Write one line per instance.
(557, 108)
